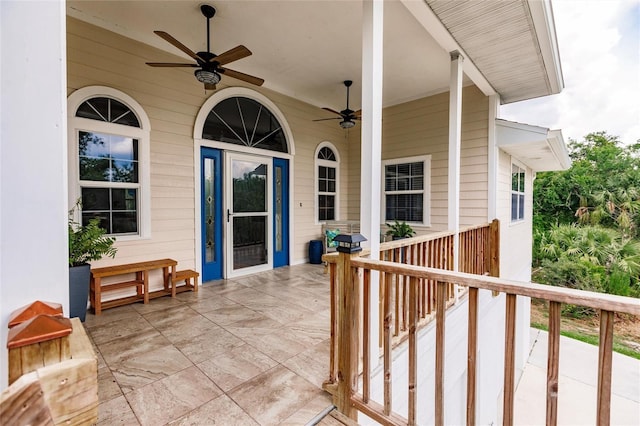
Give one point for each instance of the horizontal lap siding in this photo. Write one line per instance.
(172, 98)
(421, 127)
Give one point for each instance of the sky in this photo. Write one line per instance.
(599, 42)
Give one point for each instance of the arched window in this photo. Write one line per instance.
(243, 121)
(109, 160)
(327, 167)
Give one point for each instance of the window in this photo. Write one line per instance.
(109, 160)
(406, 188)
(243, 121)
(327, 168)
(517, 193)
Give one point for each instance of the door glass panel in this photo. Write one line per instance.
(249, 241)
(249, 187)
(278, 212)
(209, 212)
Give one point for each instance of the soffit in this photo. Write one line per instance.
(514, 49)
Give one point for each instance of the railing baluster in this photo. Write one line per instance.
(605, 360)
(413, 349)
(509, 359)
(553, 363)
(472, 350)
(366, 336)
(441, 301)
(387, 346)
(334, 323)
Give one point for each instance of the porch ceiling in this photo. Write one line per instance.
(305, 49)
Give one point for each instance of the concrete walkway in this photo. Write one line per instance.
(577, 385)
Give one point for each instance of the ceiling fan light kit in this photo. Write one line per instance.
(207, 77)
(348, 116)
(210, 65)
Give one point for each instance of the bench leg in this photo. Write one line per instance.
(195, 284)
(95, 303)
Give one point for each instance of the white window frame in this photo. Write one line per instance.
(426, 189)
(142, 134)
(519, 193)
(326, 163)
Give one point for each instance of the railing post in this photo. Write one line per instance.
(494, 248)
(348, 319)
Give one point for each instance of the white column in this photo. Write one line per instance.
(492, 152)
(455, 134)
(33, 159)
(370, 160)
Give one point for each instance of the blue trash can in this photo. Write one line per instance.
(315, 252)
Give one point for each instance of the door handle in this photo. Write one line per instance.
(228, 215)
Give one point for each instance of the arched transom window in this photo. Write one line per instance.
(244, 121)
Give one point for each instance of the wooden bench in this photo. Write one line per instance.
(140, 282)
(187, 275)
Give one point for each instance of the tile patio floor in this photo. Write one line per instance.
(246, 351)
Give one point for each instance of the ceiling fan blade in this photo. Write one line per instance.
(169, 38)
(231, 55)
(241, 76)
(357, 113)
(208, 86)
(170, 64)
(333, 111)
(325, 119)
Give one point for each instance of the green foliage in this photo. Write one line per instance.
(601, 187)
(400, 230)
(88, 242)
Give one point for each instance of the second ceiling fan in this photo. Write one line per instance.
(210, 66)
(348, 116)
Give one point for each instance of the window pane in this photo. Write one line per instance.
(249, 187)
(514, 207)
(521, 206)
(124, 223)
(105, 223)
(95, 169)
(326, 207)
(322, 172)
(331, 173)
(124, 171)
(123, 199)
(116, 208)
(123, 148)
(408, 207)
(331, 186)
(95, 199)
(521, 180)
(322, 185)
(93, 145)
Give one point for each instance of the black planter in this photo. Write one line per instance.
(79, 290)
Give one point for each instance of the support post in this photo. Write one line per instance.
(455, 134)
(348, 337)
(371, 149)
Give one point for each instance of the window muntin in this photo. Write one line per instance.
(517, 193)
(327, 184)
(244, 121)
(405, 189)
(108, 110)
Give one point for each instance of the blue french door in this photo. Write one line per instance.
(280, 212)
(212, 217)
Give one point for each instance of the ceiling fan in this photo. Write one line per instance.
(210, 66)
(346, 115)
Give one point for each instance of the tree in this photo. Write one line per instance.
(601, 187)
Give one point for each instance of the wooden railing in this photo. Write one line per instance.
(478, 254)
(351, 385)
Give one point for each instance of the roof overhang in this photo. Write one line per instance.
(537, 147)
(512, 43)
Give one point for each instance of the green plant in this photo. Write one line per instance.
(400, 230)
(88, 242)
